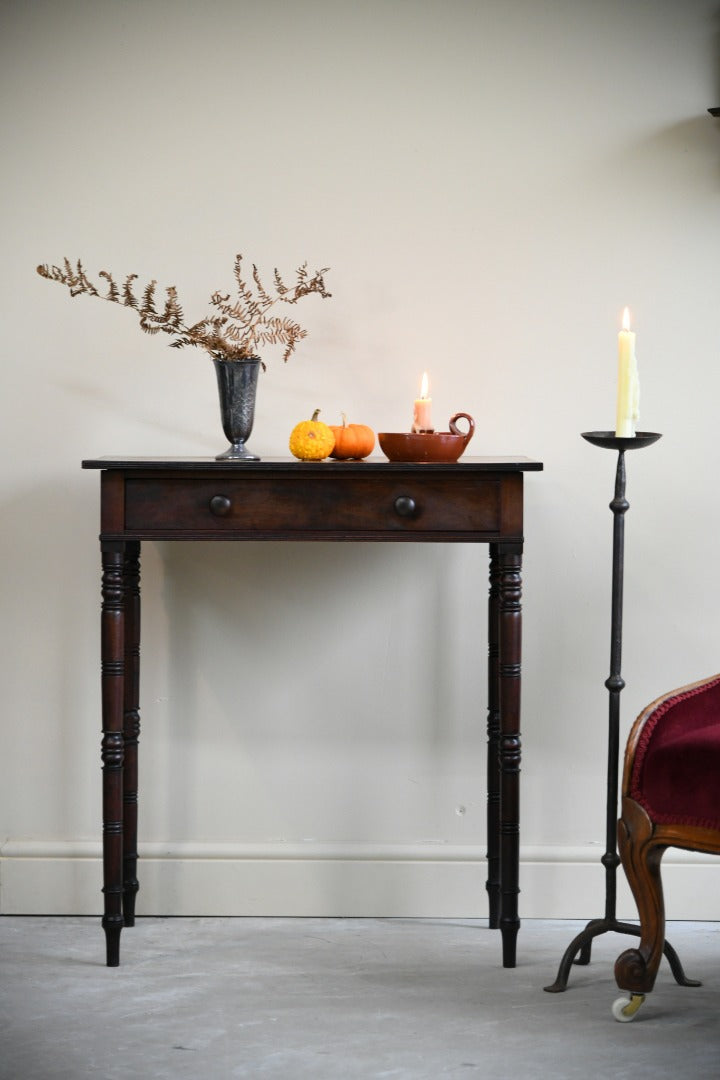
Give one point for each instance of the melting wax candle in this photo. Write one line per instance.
(422, 418)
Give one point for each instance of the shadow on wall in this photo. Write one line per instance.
(672, 154)
(322, 648)
(716, 102)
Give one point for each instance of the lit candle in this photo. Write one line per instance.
(628, 393)
(421, 411)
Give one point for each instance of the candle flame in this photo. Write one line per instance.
(424, 386)
(626, 319)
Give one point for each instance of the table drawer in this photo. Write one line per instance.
(314, 505)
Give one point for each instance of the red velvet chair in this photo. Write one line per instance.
(670, 798)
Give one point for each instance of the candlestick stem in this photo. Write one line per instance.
(578, 951)
(615, 685)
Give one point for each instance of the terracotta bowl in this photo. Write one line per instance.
(432, 446)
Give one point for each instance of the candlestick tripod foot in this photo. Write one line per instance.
(579, 949)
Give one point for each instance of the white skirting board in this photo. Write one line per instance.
(335, 880)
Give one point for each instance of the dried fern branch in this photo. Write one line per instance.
(237, 329)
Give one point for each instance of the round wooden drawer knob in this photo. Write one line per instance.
(220, 505)
(405, 506)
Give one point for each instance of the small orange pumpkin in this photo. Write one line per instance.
(352, 440)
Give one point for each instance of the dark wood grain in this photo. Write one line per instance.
(326, 506)
(475, 500)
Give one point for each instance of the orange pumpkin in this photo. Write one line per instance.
(352, 440)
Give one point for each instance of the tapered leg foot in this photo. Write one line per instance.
(509, 943)
(129, 897)
(493, 892)
(112, 925)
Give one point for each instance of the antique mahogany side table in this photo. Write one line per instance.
(478, 500)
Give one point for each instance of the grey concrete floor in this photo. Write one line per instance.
(328, 999)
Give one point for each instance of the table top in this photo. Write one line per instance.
(515, 463)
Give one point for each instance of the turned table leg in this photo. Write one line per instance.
(493, 747)
(509, 671)
(131, 728)
(112, 751)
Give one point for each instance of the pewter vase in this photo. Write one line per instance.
(237, 387)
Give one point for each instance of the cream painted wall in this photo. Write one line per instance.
(490, 182)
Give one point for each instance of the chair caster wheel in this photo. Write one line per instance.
(625, 1008)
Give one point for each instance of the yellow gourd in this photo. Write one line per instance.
(311, 440)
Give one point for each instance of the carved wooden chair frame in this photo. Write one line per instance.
(642, 843)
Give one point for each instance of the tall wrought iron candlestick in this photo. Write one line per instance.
(581, 945)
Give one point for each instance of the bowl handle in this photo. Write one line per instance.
(455, 430)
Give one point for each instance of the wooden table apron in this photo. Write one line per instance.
(475, 500)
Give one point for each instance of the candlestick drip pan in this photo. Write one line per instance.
(445, 446)
(610, 441)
